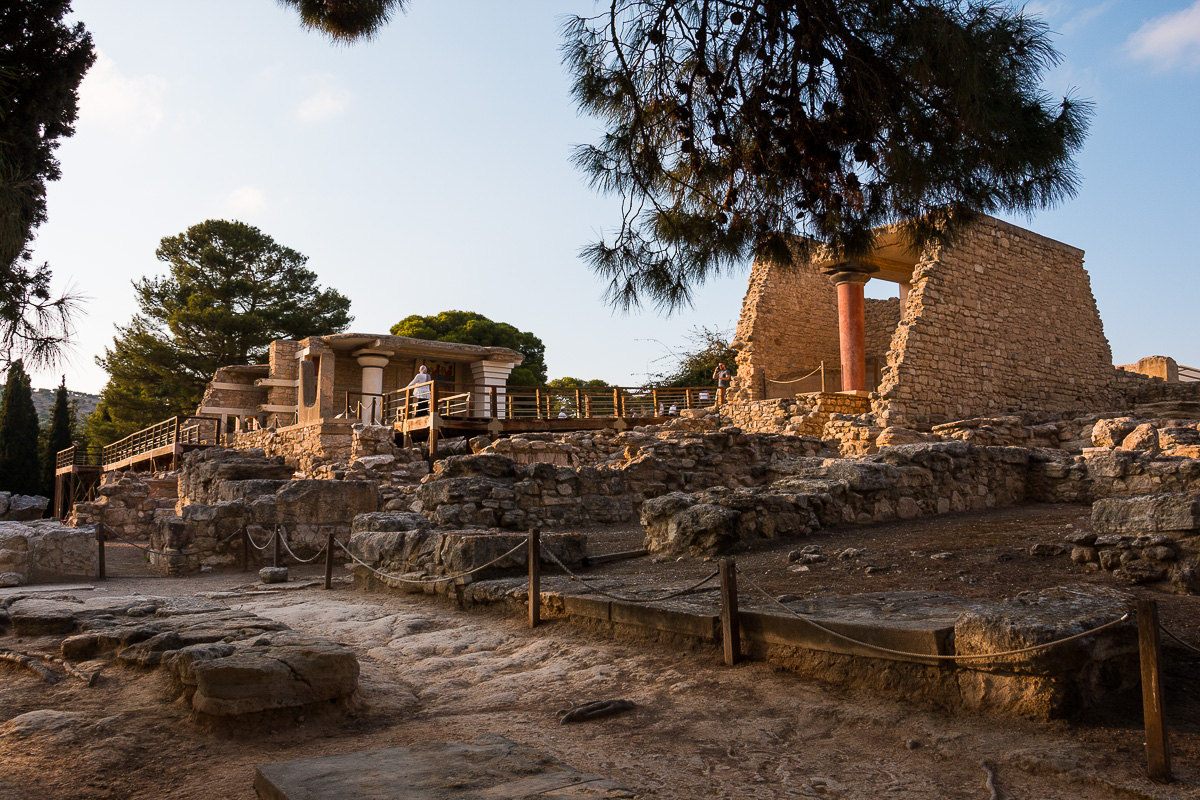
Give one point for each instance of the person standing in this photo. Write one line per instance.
(722, 376)
(421, 383)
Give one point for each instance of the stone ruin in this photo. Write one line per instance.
(225, 666)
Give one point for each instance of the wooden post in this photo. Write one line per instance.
(730, 633)
(495, 411)
(1158, 751)
(537, 402)
(100, 576)
(616, 402)
(276, 540)
(578, 407)
(329, 562)
(245, 550)
(433, 431)
(687, 398)
(654, 400)
(822, 377)
(587, 405)
(535, 577)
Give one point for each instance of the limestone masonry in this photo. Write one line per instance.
(1002, 321)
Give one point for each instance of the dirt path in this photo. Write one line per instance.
(430, 672)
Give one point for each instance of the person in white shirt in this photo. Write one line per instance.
(421, 381)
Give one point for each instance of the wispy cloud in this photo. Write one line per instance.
(1067, 16)
(1169, 41)
(326, 100)
(245, 201)
(132, 106)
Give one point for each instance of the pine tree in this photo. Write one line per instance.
(60, 437)
(43, 59)
(230, 292)
(18, 435)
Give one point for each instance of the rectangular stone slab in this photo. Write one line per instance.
(491, 767)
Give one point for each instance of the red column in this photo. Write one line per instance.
(852, 329)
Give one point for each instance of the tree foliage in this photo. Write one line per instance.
(468, 327)
(230, 292)
(694, 364)
(18, 434)
(768, 128)
(345, 20)
(577, 383)
(42, 62)
(60, 435)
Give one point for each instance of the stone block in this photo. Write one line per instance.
(1147, 513)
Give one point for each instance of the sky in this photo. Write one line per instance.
(428, 170)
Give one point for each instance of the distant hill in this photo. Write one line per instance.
(43, 401)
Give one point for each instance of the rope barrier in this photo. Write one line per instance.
(254, 544)
(152, 551)
(964, 657)
(423, 581)
(283, 540)
(627, 599)
(797, 380)
(1177, 638)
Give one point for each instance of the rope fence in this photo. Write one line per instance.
(152, 551)
(424, 581)
(255, 545)
(801, 378)
(937, 657)
(598, 590)
(283, 541)
(1178, 638)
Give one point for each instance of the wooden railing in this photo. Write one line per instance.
(77, 456)
(143, 441)
(543, 402)
(199, 431)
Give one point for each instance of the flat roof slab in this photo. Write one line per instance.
(491, 767)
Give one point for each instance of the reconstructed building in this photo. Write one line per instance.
(1001, 321)
(344, 377)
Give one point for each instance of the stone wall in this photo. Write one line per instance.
(1004, 320)
(882, 318)
(788, 326)
(128, 502)
(305, 448)
(45, 550)
(803, 415)
(228, 494)
(414, 558)
(491, 490)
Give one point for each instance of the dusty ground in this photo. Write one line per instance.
(431, 672)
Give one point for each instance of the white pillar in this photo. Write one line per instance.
(372, 387)
(486, 374)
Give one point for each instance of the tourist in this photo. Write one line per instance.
(673, 411)
(722, 376)
(562, 413)
(421, 381)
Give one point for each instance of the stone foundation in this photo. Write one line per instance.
(45, 551)
(129, 502)
(403, 545)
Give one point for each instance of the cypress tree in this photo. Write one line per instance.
(18, 435)
(61, 436)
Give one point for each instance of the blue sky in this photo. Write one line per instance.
(428, 170)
